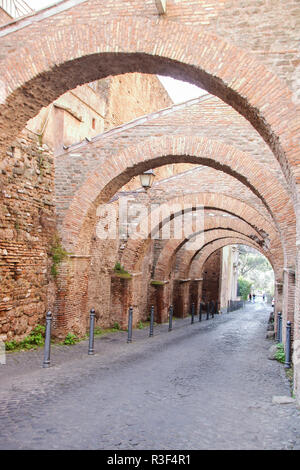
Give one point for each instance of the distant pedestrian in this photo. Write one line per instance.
(254, 297)
(264, 297)
(250, 297)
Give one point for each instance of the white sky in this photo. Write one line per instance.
(177, 90)
(39, 4)
(181, 91)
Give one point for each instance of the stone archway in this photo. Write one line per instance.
(97, 49)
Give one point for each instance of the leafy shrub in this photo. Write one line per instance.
(71, 339)
(32, 341)
(280, 354)
(11, 345)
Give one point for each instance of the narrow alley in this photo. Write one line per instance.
(208, 385)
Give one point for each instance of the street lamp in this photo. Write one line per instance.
(147, 179)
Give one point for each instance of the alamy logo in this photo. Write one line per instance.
(2, 353)
(134, 220)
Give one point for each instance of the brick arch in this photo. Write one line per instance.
(136, 246)
(172, 247)
(135, 249)
(187, 256)
(196, 266)
(101, 47)
(157, 151)
(245, 213)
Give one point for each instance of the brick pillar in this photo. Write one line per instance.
(134, 288)
(288, 309)
(278, 299)
(296, 343)
(70, 309)
(162, 302)
(120, 299)
(181, 297)
(196, 292)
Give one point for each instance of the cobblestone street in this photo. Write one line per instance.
(204, 386)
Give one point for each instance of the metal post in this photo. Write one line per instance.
(228, 306)
(130, 316)
(91, 351)
(277, 332)
(151, 321)
(171, 318)
(287, 363)
(207, 310)
(47, 348)
(279, 327)
(193, 313)
(213, 309)
(200, 312)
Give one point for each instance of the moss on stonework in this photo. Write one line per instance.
(157, 283)
(58, 254)
(121, 272)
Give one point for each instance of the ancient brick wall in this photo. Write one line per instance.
(27, 228)
(146, 14)
(133, 95)
(223, 46)
(28, 222)
(269, 29)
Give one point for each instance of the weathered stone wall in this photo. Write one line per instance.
(133, 95)
(201, 42)
(211, 277)
(27, 211)
(27, 229)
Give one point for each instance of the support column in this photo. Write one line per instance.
(278, 305)
(162, 300)
(288, 299)
(296, 342)
(181, 300)
(70, 308)
(120, 299)
(196, 292)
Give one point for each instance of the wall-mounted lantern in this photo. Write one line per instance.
(147, 179)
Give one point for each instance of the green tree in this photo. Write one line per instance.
(244, 287)
(256, 269)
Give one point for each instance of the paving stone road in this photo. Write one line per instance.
(203, 386)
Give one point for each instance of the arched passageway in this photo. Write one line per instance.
(33, 74)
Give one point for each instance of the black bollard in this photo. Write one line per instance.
(47, 348)
(200, 312)
(279, 321)
(212, 309)
(193, 313)
(287, 364)
(170, 317)
(151, 321)
(130, 316)
(91, 350)
(207, 310)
